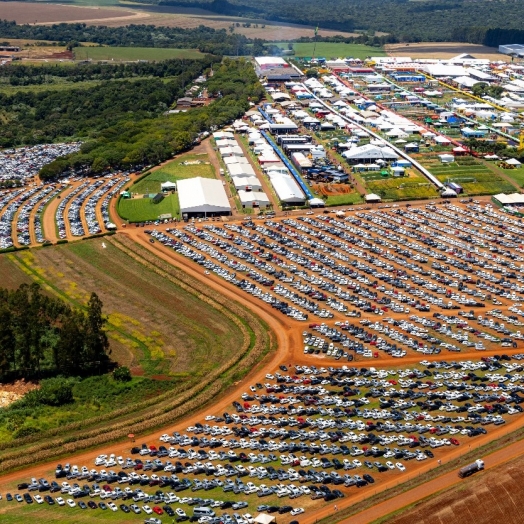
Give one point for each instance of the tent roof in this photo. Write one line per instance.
(202, 195)
(513, 198)
(286, 187)
(264, 518)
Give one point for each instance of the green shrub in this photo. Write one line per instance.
(26, 431)
(122, 374)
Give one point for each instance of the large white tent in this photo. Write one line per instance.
(203, 196)
(244, 170)
(286, 188)
(370, 152)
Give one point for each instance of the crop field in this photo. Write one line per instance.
(128, 54)
(403, 188)
(443, 50)
(334, 50)
(476, 177)
(492, 497)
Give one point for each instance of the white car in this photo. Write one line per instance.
(71, 503)
(60, 501)
(400, 466)
(38, 499)
(147, 509)
(112, 506)
(297, 511)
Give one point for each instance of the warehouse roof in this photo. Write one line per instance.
(202, 195)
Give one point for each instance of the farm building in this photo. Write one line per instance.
(202, 197)
(251, 199)
(286, 188)
(509, 200)
(441, 70)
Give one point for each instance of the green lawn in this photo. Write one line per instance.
(122, 54)
(347, 198)
(143, 209)
(334, 50)
(174, 171)
(515, 174)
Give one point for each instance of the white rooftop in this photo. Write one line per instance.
(202, 195)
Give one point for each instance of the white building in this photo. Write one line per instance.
(203, 197)
(286, 188)
(247, 181)
(251, 199)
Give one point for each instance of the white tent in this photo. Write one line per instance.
(167, 186)
(264, 518)
(286, 188)
(246, 181)
(446, 159)
(202, 196)
(251, 199)
(370, 152)
(513, 162)
(241, 170)
(372, 198)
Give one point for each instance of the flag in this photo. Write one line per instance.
(316, 30)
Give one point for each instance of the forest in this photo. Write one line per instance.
(43, 336)
(47, 116)
(148, 138)
(406, 20)
(205, 39)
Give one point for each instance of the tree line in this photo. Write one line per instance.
(43, 336)
(31, 118)
(205, 39)
(148, 138)
(404, 20)
(20, 74)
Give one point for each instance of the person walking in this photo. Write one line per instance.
(336, 509)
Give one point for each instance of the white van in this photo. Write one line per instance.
(203, 512)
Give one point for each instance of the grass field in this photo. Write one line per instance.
(347, 198)
(334, 50)
(154, 326)
(403, 188)
(143, 209)
(127, 54)
(185, 166)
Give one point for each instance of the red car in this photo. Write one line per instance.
(158, 511)
(454, 441)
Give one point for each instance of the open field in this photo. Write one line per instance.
(113, 13)
(127, 54)
(334, 50)
(143, 209)
(491, 497)
(39, 13)
(151, 336)
(444, 50)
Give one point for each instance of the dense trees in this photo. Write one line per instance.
(440, 20)
(40, 335)
(205, 39)
(148, 139)
(48, 116)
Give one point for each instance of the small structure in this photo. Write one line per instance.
(446, 158)
(372, 198)
(264, 518)
(157, 198)
(168, 186)
(457, 188)
(253, 199)
(514, 162)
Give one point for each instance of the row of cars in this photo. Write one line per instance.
(307, 432)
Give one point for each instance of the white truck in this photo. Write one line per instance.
(468, 470)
